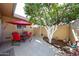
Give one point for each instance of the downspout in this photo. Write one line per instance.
(1, 38)
(1, 30)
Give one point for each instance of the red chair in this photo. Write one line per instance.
(16, 36)
(27, 34)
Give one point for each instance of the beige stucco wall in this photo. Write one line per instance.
(61, 33)
(43, 31)
(37, 31)
(7, 28)
(10, 27)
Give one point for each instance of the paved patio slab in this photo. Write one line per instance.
(37, 47)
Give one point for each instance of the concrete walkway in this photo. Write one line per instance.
(37, 47)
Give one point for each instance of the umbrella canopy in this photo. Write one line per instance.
(19, 22)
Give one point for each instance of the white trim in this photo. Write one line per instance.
(75, 36)
(19, 16)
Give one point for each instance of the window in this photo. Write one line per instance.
(21, 26)
(18, 26)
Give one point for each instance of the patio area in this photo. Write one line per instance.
(36, 47)
(48, 37)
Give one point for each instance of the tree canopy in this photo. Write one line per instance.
(51, 13)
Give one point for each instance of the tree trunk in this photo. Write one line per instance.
(50, 31)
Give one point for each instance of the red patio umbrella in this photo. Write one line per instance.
(19, 22)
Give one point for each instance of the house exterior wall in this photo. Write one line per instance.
(61, 34)
(9, 28)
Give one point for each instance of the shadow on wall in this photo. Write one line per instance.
(61, 33)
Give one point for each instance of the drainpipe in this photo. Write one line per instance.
(1, 34)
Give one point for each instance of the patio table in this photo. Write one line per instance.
(25, 36)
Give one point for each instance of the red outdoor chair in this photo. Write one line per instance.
(16, 36)
(27, 34)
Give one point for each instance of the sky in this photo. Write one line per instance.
(39, 1)
(19, 9)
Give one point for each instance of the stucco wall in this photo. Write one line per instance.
(37, 31)
(9, 27)
(43, 31)
(61, 33)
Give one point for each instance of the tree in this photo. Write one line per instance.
(50, 15)
(70, 12)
